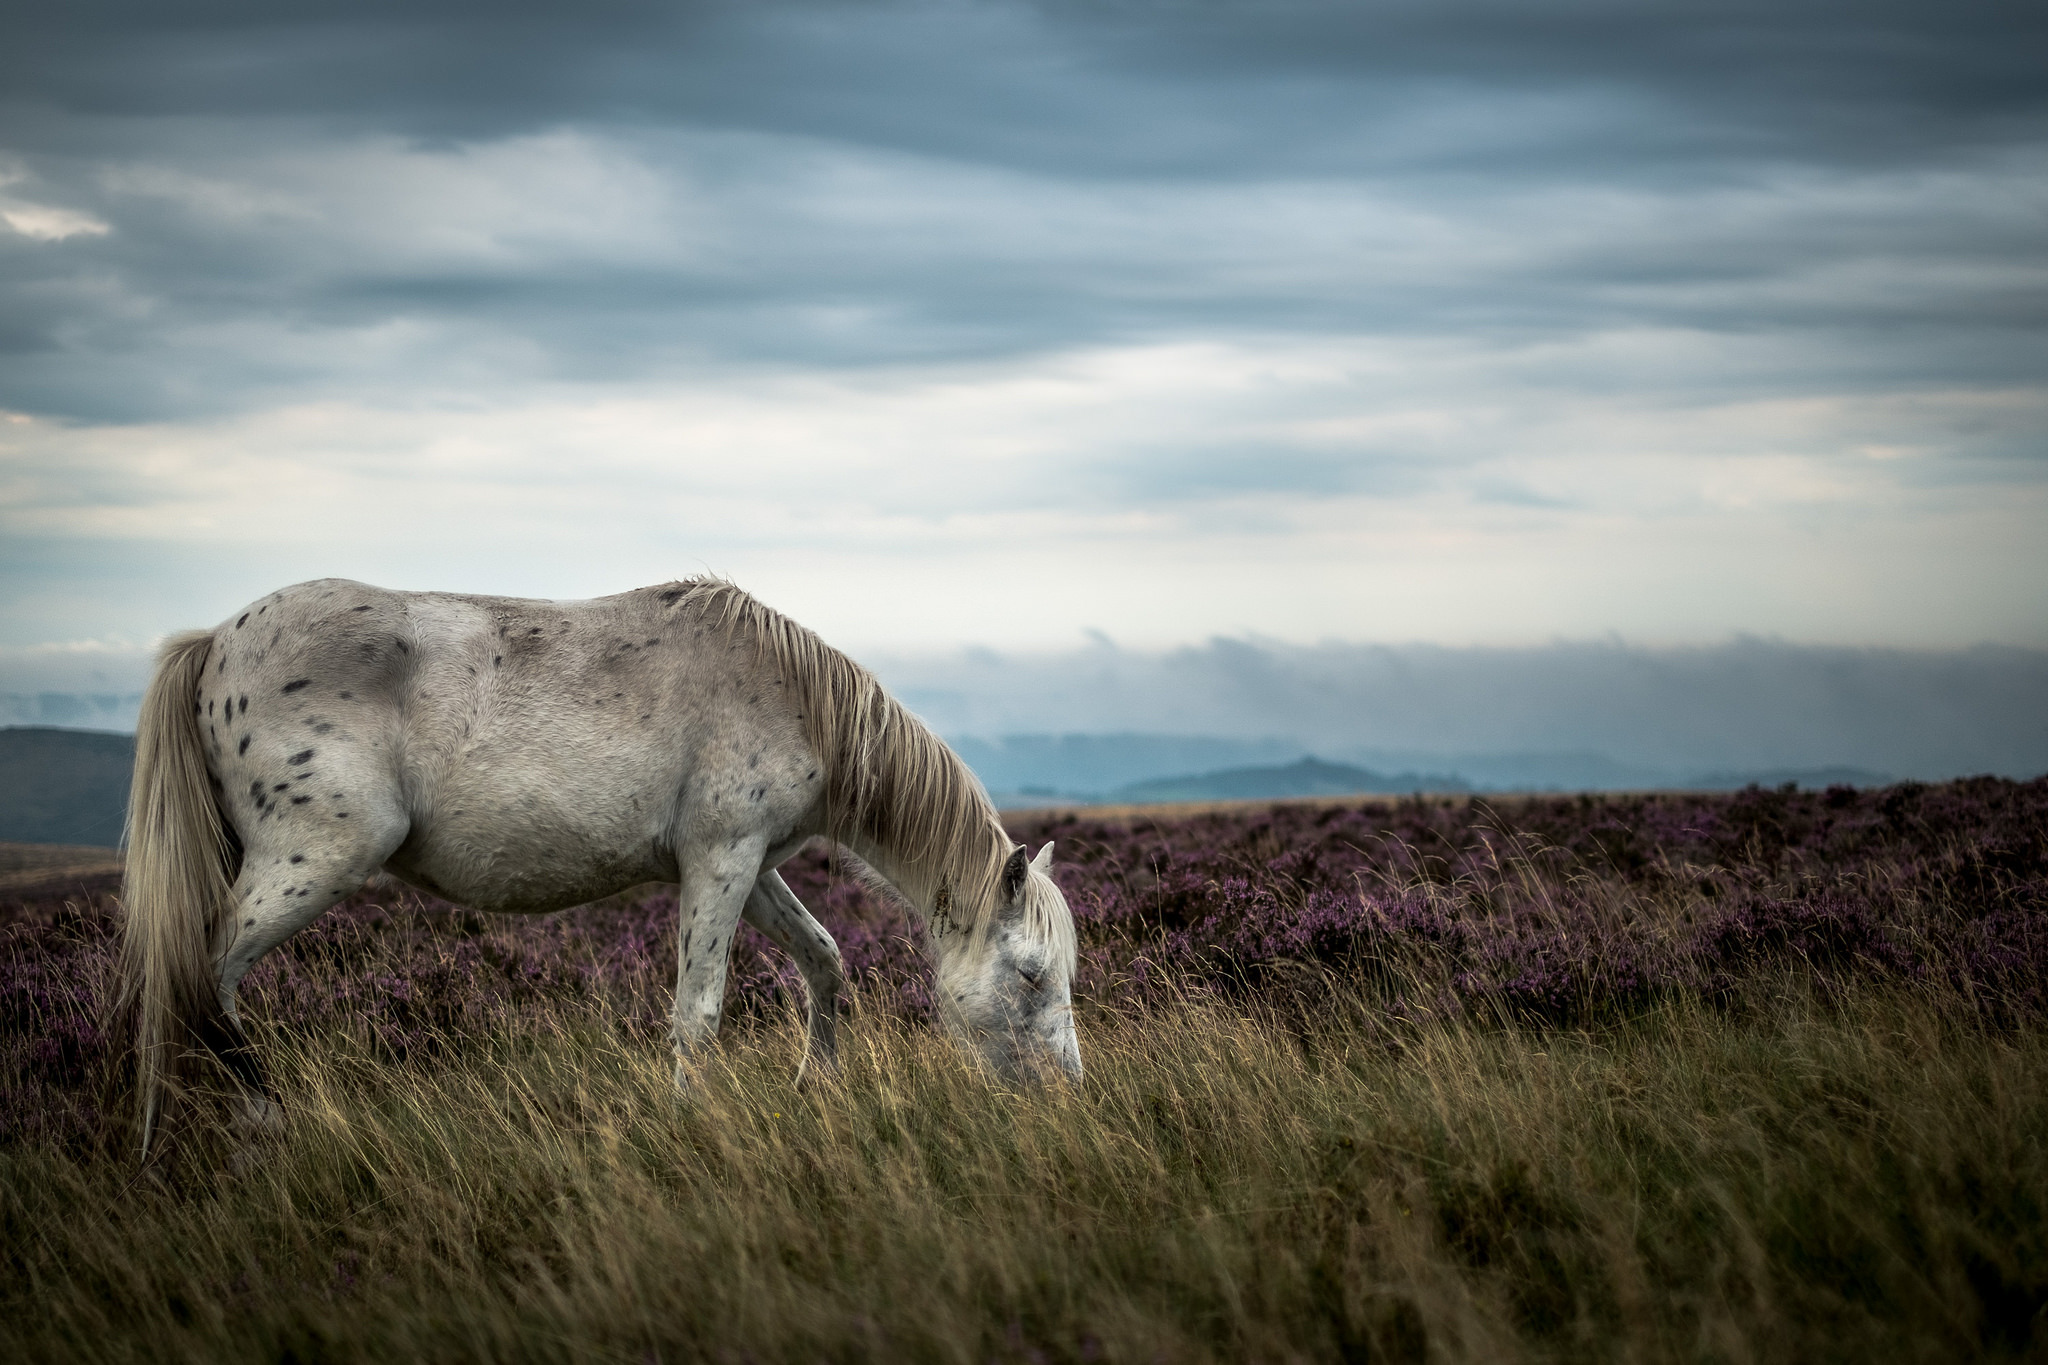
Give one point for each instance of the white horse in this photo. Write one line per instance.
(519, 755)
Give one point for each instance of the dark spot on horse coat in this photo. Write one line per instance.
(346, 696)
(209, 707)
(243, 747)
(403, 647)
(497, 660)
(245, 705)
(243, 622)
(295, 686)
(668, 599)
(300, 757)
(300, 800)
(320, 727)
(281, 786)
(298, 857)
(359, 608)
(655, 640)
(534, 631)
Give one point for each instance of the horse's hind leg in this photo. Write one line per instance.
(775, 910)
(295, 866)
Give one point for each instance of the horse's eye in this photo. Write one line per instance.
(1031, 977)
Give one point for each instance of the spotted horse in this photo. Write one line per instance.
(524, 756)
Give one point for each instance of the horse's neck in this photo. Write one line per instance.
(934, 888)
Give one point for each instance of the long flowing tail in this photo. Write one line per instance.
(177, 893)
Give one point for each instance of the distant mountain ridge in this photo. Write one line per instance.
(1306, 776)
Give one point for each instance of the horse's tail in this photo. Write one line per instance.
(176, 895)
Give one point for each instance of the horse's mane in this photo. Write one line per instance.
(888, 778)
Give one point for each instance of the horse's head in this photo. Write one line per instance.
(1007, 987)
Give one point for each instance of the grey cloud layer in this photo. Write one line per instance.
(1136, 86)
(407, 202)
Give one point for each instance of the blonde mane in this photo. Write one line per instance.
(888, 779)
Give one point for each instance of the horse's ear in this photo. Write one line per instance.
(1013, 875)
(1043, 862)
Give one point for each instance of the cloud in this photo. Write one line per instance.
(921, 507)
(997, 321)
(44, 223)
(310, 199)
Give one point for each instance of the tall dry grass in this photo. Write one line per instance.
(1861, 1176)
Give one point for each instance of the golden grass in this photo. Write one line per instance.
(1860, 1179)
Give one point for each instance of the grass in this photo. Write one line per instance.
(1861, 1176)
(1760, 1076)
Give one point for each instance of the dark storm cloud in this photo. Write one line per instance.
(926, 182)
(1134, 86)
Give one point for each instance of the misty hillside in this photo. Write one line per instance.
(63, 786)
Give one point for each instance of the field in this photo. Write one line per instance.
(1755, 1076)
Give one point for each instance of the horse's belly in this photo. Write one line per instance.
(509, 863)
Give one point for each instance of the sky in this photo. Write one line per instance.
(952, 326)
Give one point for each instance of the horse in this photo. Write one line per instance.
(524, 756)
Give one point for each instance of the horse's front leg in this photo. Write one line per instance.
(775, 910)
(717, 878)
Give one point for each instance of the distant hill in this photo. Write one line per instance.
(1813, 779)
(63, 786)
(1073, 766)
(1303, 777)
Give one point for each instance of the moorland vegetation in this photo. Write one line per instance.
(1748, 1076)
